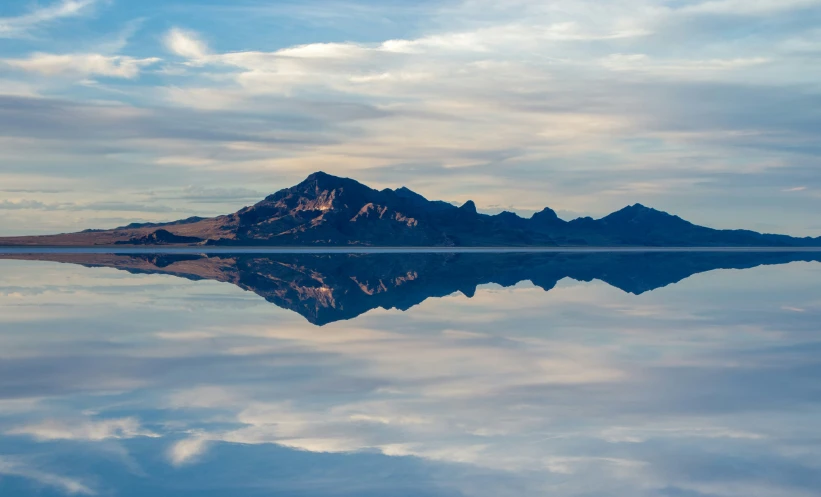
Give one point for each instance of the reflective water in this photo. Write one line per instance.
(416, 375)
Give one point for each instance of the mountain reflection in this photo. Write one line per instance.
(116, 384)
(325, 288)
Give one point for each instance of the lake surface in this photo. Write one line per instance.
(424, 374)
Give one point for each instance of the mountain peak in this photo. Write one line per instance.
(319, 175)
(636, 210)
(643, 208)
(327, 210)
(639, 215)
(322, 177)
(469, 206)
(321, 181)
(545, 216)
(507, 215)
(407, 193)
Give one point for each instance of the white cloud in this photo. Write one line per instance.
(205, 396)
(186, 44)
(14, 406)
(21, 204)
(323, 51)
(748, 7)
(677, 68)
(187, 451)
(93, 431)
(16, 88)
(82, 65)
(509, 36)
(508, 97)
(72, 486)
(20, 25)
(106, 205)
(793, 309)
(621, 11)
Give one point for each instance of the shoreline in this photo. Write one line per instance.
(99, 249)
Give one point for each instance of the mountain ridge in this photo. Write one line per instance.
(327, 210)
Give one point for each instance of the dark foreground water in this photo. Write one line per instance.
(554, 374)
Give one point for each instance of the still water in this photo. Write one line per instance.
(680, 375)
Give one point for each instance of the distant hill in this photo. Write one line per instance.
(326, 210)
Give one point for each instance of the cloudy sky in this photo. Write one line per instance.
(114, 111)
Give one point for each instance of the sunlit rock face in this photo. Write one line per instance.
(326, 210)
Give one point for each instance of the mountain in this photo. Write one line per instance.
(325, 288)
(326, 210)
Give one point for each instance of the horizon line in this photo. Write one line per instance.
(186, 250)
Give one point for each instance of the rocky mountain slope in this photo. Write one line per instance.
(326, 210)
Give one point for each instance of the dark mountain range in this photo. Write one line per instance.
(326, 288)
(326, 210)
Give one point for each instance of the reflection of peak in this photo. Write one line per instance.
(160, 237)
(325, 288)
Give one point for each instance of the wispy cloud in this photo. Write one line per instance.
(747, 7)
(28, 204)
(72, 486)
(187, 451)
(22, 204)
(21, 25)
(87, 430)
(583, 105)
(82, 65)
(201, 194)
(186, 44)
(678, 69)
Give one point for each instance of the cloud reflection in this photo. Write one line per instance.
(708, 387)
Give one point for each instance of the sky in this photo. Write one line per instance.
(115, 111)
(144, 384)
